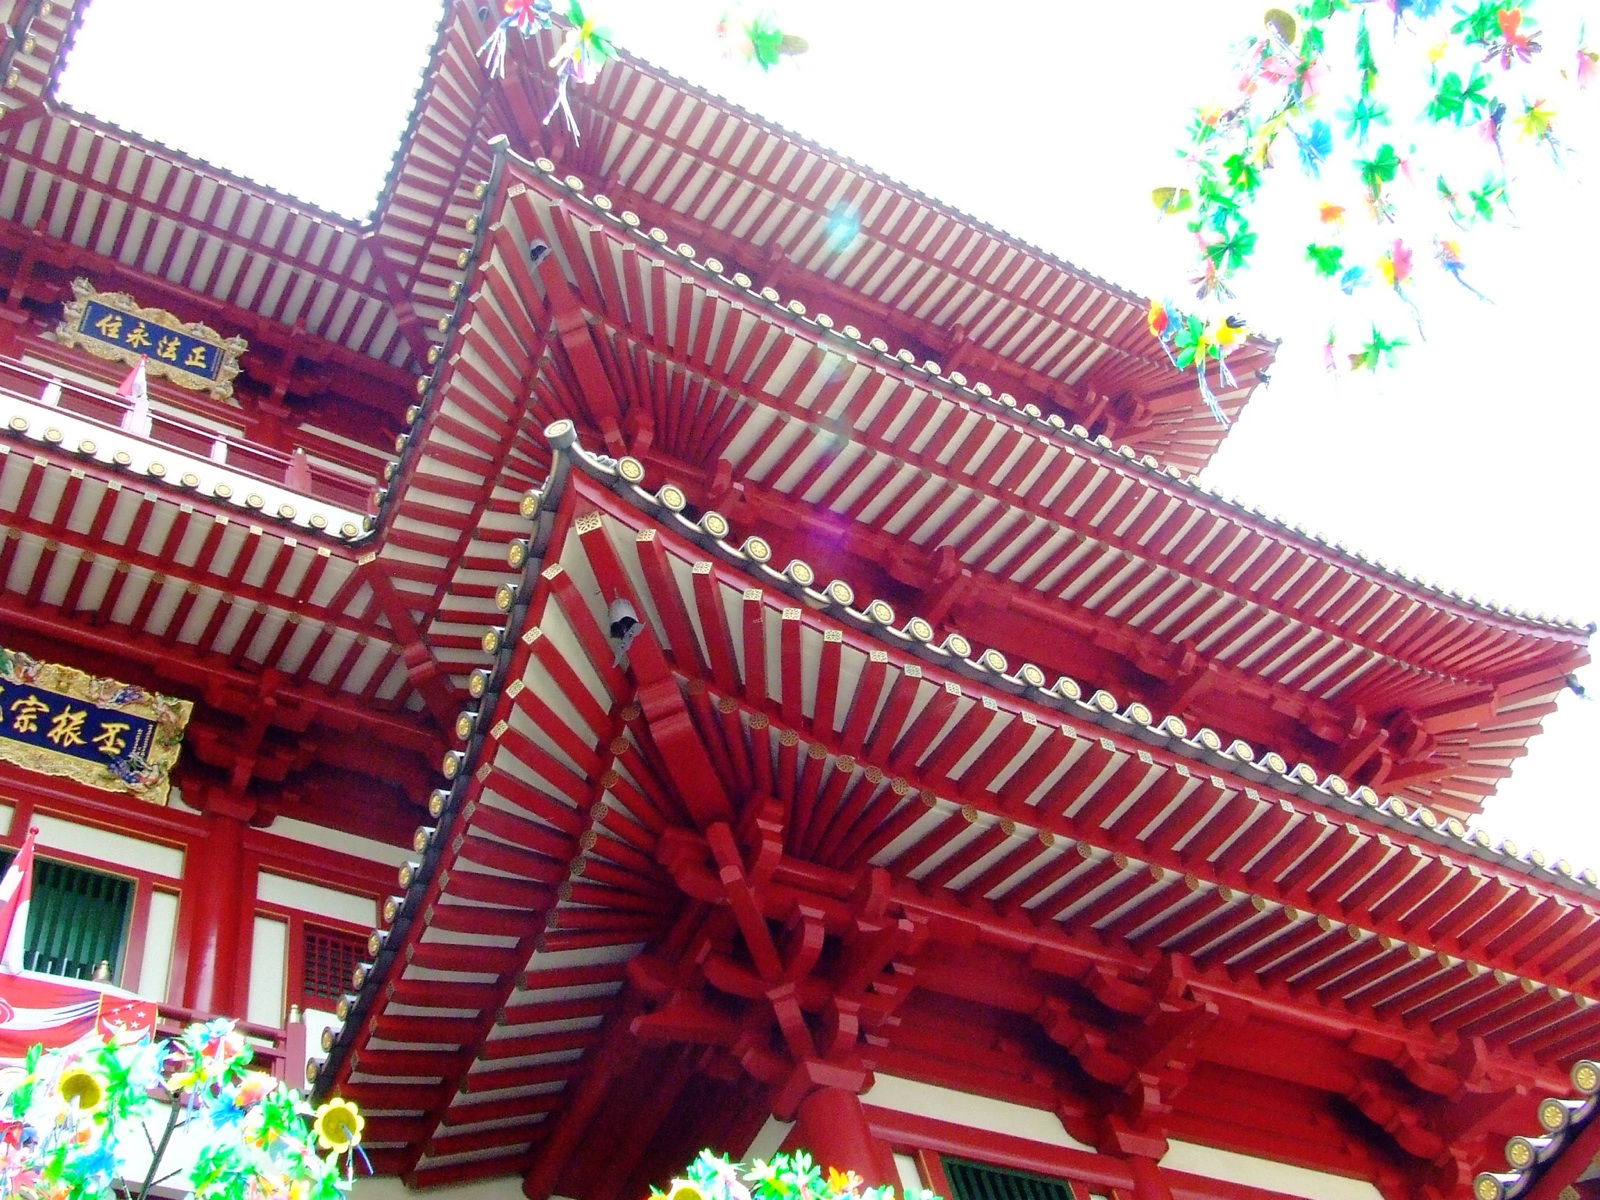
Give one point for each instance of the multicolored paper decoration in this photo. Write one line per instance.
(757, 38)
(1333, 94)
(587, 46)
(98, 1120)
(583, 51)
(782, 1177)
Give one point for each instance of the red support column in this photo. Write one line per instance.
(214, 900)
(831, 1125)
(1147, 1181)
(1141, 1145)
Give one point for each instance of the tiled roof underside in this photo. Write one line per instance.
(566, 784)
(648, 339)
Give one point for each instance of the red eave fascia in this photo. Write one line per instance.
(1125, 730)
(568, 190)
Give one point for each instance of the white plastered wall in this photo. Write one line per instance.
(975, 1112)
(268, 963)
(160, 935)
(1264, 1173)
(269, 951)
(1038, 1125)
(345, 843)
(111, 849)
(316, 900)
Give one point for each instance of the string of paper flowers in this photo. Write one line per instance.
(782, 1177)
(586, 46)
(99, 1121)
(1326, 94)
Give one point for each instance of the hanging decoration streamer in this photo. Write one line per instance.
(99, 1119)
(586, 47)
(781, 1177)
(526, 17)
(1325, 94)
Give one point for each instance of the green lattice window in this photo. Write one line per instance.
(976, 1181)
(77, 919)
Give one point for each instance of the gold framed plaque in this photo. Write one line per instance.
(112, 325)
(99, 732)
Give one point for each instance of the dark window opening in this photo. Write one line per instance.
(975, 1181)
(77, 919)
(330, 959)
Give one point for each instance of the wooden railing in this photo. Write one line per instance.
(279, 1051)
(107, 409)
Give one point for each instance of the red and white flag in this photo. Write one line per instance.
(16, 889)
(135, 388)
(36, 1010)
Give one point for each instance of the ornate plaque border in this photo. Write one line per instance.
(70, 333)
(147, 777)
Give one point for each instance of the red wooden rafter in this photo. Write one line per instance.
(1139, 839)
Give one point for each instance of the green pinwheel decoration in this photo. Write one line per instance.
(1479, 23)
(1377, 350)
(1372, 110)
(758, 39)
(1328, 260)
(1229, 253)
(1366, 64)
(1457, 100)
(76, 1124)
(793, 1176)
(1486, 199)
(1378, 170)
(1244, 172)
(1361, 116)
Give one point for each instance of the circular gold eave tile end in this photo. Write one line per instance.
(1586, 1076)
(1552, 1116)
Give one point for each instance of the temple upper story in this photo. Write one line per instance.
(978, 432)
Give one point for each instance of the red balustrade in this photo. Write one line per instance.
(281, 1051)
(107, 409)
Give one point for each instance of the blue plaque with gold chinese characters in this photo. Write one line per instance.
(97, 731)
(111, 325)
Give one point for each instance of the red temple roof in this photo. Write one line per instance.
(1560, 1159)
(567, 843)
(1138, 580)
(935, 280)
(994, 751)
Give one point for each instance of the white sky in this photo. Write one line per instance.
(1471, 463)
(307, 96)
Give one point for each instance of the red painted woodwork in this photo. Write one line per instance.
(217, 922)
(1143, 1043)
(1112, 859)
(833, 1127)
